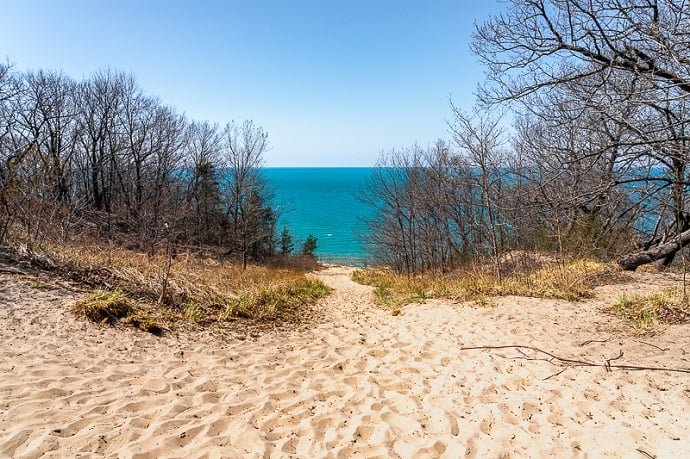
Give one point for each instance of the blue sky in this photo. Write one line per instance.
(333, 82)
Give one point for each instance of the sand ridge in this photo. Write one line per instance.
(360, 383)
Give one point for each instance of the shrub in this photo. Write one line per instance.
(309, 247)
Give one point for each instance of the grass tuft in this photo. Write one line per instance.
(197, 288)
(104, 306)
(390, 289)
(108, 306)
(668, 306)
(275, 300)
(144, 322)
(195, 312)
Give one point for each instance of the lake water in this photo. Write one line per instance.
(323, 202)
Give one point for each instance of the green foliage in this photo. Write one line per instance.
(195, 312)
(286, 245)
(309, 247)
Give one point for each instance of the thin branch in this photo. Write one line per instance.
(590, 341)
(663, 349)
(649, 455)
(582, 363)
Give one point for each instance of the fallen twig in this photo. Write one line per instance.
(12, 270)
(581, 363)
(608, 361)
(555, 374)
(663, 349)
(649, 455)
(590, 341)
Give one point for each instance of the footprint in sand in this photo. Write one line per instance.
(399, 424)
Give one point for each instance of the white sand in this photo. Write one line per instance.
(361, 384)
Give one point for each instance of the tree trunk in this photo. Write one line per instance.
(632, 261)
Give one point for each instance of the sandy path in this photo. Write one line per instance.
(361, 384)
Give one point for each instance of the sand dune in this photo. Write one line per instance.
(360, 383)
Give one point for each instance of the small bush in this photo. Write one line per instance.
(309, 247)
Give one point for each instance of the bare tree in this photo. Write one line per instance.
(43, 124)
(202, 149)
(480, 138)
(607, 54)
(99, 104)
(575, 160)
(537, 44)
(251, 219)
(129, 168)
(9, 157)
(430, 209)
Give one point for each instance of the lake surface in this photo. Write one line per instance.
(323, 202)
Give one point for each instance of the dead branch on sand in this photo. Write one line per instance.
(554, 359)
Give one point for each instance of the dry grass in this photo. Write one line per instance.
(275, 299)
(104, 306)
(667, 306)
(198, 289)
(390, 289)
(108, 306)
(572, 281)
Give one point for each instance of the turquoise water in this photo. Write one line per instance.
(322, 202)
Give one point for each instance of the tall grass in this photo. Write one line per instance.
(572, 281)
(199, 288)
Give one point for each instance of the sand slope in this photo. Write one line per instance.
(361, 383)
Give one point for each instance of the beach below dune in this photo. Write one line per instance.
(358, 382)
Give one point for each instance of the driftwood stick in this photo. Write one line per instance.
(580, 363)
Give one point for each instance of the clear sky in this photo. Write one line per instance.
(333, 82)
